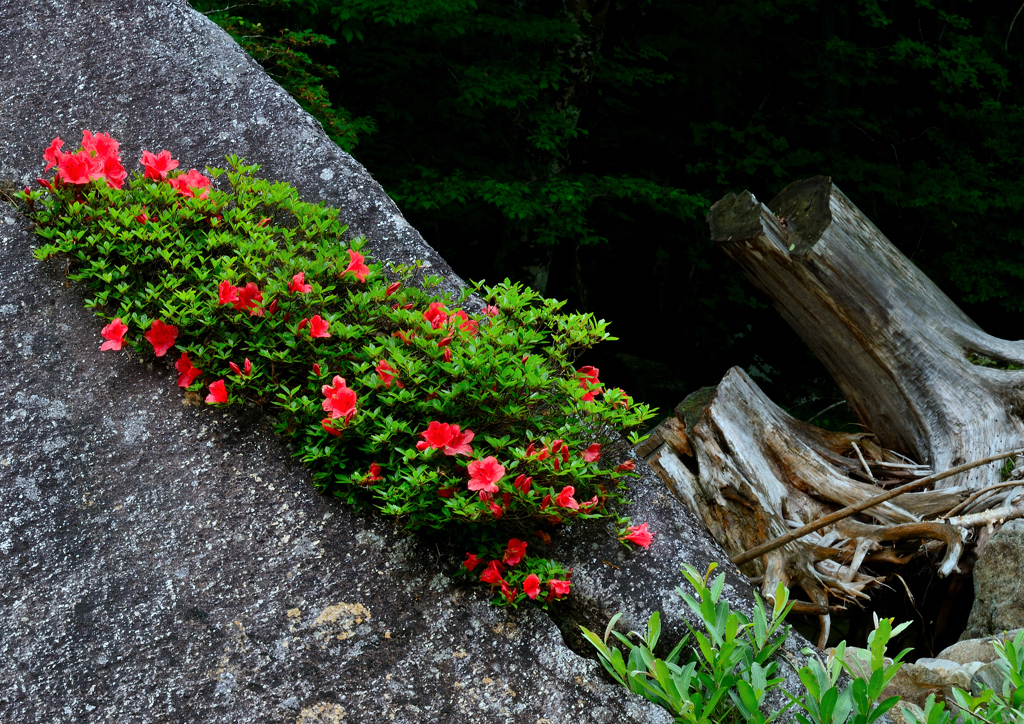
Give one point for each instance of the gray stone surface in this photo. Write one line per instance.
(998, 584)
(971, 650)
(168, 563)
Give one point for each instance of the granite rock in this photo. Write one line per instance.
(998, 584)
(169, 563)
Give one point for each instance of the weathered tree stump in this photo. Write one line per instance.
(925, 381)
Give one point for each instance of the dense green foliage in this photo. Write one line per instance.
(394, 396)
(576, 145)
(733, 665)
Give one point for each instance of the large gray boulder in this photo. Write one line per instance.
(168, 563)
(998, 584)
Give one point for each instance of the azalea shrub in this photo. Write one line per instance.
(463, 414)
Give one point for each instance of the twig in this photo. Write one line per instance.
(849, 510)
(878, 463)
(988, 517)
(863, 461)
(978, 494)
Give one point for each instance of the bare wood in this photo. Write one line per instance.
(864, 505)
(862, 460)
(964, 505)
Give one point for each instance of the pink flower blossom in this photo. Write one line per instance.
(593, 453)
(436, 315)
(328, 425)
(240, 373)
(298, 284)
(589, 382)
(509, 593)
(565, 499)
(161, 336)
(386, 372)
(557, 588)
(356, 265)
(440, 435)
(79, 168)
(187, 374)
(640, 535)
(339, 400)
(492, 574)
(52, 154)
(484, 474)
(490, 310)
(496, 510)
(114, 334)
(227, 293)
(318, 327)
(531, 586)
(159, 165)
(247, 298)
(218, 393)
(187, 184)
(627, 466)
(514, 552)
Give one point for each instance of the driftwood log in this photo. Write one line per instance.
(931, 389)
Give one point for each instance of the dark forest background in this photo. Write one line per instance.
(576, 146)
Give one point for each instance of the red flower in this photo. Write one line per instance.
(447, 355)
(514, 552)
(302, 324)
(496, 510)
(187, 184)
(263, 222)
(316, 369)
(523, 484)
(406, 337)
(299, 285)
(356, 265)
(490, 310)
(492, 574)
(627, 466)
(78, 168)
(142, 218)
(593, 453)
(272, 307)
(392, 289)
(386, 372)
(436, 315)
(447, 492)
(467, 324)
(639, 534)
(114, 334)
(247, 298)
(158, 166)
(557, 588)
(531, 586)
(565, 499)
(339, 400)
(442, 435)
(374, 473)
(327, 425)
(318, 327)
(471, 561)
(227, 294)
(589, 382)
(445, 342)
(546, 502)
(218, 393)
(113, 171)
(248, 368)
(509, 593)
(53, 153)
(484, 474)
(186, 372)
(161, 336)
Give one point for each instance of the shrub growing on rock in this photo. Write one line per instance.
(447, 414)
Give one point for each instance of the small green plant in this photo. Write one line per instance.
(731, 664)
(475, 423)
